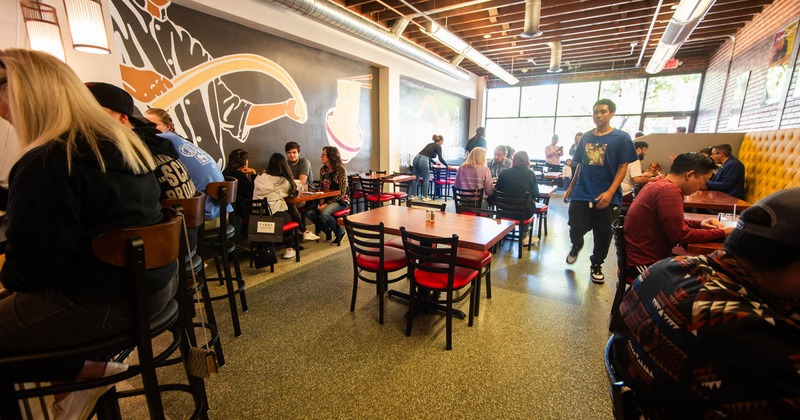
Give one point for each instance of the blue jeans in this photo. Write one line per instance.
(421, 167)
(324, 220)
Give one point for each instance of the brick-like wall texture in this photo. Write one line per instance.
(752, 50)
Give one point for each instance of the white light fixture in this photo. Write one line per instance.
(460, 47)
(44, 34)
(687, 16)
(87, 26)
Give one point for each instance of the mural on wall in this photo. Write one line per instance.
(778, 72)
(228, 86)
(426, 110)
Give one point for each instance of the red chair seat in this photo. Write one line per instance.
(542, 209)
(516, 222)
(398, 194)
(358, 194)
(342, 212)
(473, 259)
(393, 259)
(398, 243)
(438, 281)
(379, 197)
(290, 226)
(445, 181)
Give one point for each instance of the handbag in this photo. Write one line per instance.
(264, 256)
(262, 227)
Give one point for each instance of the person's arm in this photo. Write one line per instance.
(488, 187)
(568, 192)
(724, 180)
(675, 227)
(604, 199)
(439, 154)
(534, 188)
(340, 177)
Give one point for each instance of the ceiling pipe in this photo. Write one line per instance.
(533, 14)
(555, 57)
(340, 17)
(447, 8)
(649, 32)
(399, 26)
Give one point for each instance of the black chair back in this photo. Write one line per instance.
(433, 255)
(427, 205)
(467, 198)
(623, 399)
(622, 267)
(517, 206)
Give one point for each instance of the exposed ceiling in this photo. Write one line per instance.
(595, 34)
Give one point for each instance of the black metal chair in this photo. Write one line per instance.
(261, 208)
(371, 255)
(623, 399)
(136, 249)
(622, 268)
(467, 198)
(373, 193)
(517, 208)
(220, 244)
(432, 271)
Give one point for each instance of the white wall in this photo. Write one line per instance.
(261, 15)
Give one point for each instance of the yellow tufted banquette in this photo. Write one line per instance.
(771, 161)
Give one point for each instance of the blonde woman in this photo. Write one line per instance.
(81, 173)
(161, 119)
(474, 174)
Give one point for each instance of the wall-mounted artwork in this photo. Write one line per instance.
(228, 86)
(426, 110)
(738, 99)
(780, 65)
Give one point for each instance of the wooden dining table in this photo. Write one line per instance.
(714, 200)
(479, 233)
(312, 195)
(702, 248)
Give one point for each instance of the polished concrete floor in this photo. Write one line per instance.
(535, 351)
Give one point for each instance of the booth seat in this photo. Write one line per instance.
(771, 160)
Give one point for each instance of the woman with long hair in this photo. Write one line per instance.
(238, 167)
(421, 166)
(81, 173)
(474, 174)
(333, 176)
(275, 185)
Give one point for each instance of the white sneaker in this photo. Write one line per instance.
(78, 404)
(426, 199)
(289, 253)
(310, 236)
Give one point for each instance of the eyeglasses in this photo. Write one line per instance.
(324, 154)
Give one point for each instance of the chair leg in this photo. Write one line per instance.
(477, 303)
(238, 271)
(297, 245)
(519, 231)
(488, 280)
(211, 319)
(355, 290)
(474, 297)
(449, 320)
(412, 295)
(381, 279)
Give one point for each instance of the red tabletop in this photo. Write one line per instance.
(714, 200)
(473, 232)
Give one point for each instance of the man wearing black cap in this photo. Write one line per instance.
(171, 173)
(718, 335)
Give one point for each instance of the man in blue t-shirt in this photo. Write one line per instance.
(602, 156)
(202, 169)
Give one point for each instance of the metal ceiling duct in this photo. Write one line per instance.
(555, 57)
(533, 13)
(340, 17)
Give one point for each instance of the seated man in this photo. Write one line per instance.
(500, 162)
(635, 176)
(301, 167)
(655, 224)
(730, 178)
(718, 335)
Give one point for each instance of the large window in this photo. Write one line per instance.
(527, 117)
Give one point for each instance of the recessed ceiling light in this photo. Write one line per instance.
(487, 36)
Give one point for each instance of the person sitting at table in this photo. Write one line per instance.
(172, 175)
(730, 177)
(201, 166)
(238, 167)
(421, 166)
(275, 185)
(332, 176)
(474, 174)
(81, 173)
(501, 162)
(655, 222)
(519, 179)
(301, 167)
(716, 336)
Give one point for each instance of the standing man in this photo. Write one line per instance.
(478, 141)
(730, 178)
(602, 156)
(500, 162)
(634, 175)
(553, 153)
(301, 167)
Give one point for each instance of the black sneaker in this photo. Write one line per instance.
(597, 274)
(573, 254)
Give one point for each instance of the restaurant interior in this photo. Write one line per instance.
(376, 78)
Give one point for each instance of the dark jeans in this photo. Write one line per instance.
(583, 218)
(47, 318)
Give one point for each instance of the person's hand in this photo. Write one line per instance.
(728, 230)
(711, 223)
(321, 206)
(604, 199)
(248, 170)
(144, 85)
(567, 194)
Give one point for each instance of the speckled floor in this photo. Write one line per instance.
(535, 351)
